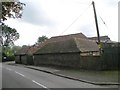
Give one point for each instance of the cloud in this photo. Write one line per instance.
(34, 14)
(52, 17)
(111, 2)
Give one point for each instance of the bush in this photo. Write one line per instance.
(8, 58)
(11, 58)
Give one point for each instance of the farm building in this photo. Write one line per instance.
(25, 55)
(102, 39)
(22, 56)
(73, 50)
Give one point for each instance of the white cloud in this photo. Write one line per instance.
(29, 33)
(52, 17)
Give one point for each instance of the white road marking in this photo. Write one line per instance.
(1, 66)
(20, 74)
(9, 69)
(39, 84)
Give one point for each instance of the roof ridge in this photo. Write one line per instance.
(68, 35)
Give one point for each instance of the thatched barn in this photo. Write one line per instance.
(25, 54)
(70, 50)
(22, 56)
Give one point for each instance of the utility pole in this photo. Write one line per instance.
(96, 22)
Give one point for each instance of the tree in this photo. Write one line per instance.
(11, 9)
(9, 35)
(41, 39)
(16, 48)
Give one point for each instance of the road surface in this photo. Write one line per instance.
(21, 77)
(0, 75)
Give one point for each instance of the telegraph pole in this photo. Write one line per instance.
(96, 22)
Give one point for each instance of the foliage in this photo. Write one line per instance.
(8, 53)
(16, 48)
(9, 35)
(11, 9)
(41, 39)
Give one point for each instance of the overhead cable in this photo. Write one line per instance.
(76, 19)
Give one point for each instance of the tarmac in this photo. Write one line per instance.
(87, 76)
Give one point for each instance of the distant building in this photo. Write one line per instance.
(22, 56)
(103, 39)
(25, 54)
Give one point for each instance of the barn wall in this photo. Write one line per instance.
(60, 59)
(90, 62)
(24, 59)
(69, 60)
(30, 60)
(17, 60)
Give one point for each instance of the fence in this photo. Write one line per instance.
(110, 56)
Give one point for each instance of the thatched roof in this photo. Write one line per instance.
(58, 39)
(59, 47)
(86, 45)
(36, 47)
(66, 37)
(61, 44)
(69, 45)
(23, 50)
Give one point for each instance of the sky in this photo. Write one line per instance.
(62, 17)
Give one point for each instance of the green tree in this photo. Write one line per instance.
(11, 9)
(8, 51)
(9, 35)
(16, 48)
(42, 39)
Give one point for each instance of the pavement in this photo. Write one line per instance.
(91, 77)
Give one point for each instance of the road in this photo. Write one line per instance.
(21, 77)
(0, 75)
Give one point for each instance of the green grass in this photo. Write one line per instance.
(111, 72)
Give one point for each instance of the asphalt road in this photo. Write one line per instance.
(0, 76)
(20, 77)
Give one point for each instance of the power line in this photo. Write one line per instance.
(103, 22)
(76, 19)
